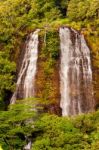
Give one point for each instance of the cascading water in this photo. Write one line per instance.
(26, 78)
(75, 73)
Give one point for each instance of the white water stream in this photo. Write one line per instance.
(26, 78)
(75, 73)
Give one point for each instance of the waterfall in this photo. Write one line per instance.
(76, 88)
(26, 78)
(28, 146)
(75, 73)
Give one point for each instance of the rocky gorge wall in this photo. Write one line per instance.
(47, 83)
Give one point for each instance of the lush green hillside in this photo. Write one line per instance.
(18, 18)
(47, 132)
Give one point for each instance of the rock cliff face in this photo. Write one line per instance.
(57, 69)
(47, 77)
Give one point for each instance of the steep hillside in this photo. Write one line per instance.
(25, 123)
(19, 18)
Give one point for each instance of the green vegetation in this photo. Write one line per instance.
(47, 65)
(80, 10)
(7, 69)
(48, 132)
(20, 17)
(16, 124)
(77, 133)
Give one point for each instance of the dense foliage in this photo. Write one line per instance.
(79, 10)
(56, 133)
(17, 19)
(48, 132)
(7, 69)
(16, 125)
(48, 66)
